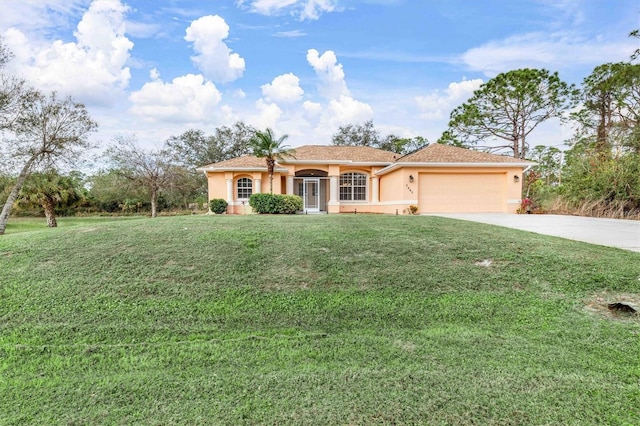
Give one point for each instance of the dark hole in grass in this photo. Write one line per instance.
(622, 307)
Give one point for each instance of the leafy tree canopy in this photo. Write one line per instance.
(610, 108)
(195, 148)
(49, 190)
(508, 108)
(265, 145)
(47, 132)
(366, 135)
(152, 170)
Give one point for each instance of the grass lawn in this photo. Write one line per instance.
(340, 319)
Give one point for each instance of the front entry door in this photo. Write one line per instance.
(311, 195)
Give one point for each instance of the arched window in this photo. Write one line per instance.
(245, 188)
(353, 186)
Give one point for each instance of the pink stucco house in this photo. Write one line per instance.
(335, 179)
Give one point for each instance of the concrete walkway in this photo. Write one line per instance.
(624, 234)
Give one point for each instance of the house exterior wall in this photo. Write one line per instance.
(397, 193)
(218, 187)
(396, 190)
(481, 189)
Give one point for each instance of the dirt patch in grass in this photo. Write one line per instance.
(601, 304)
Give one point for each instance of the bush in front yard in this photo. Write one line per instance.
(290, 204)
(275, 203)
(218, 205)
(262, 203)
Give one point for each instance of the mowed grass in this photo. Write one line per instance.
(341, 319)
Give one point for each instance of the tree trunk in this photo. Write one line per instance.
(13, 196)
(50, 214)
(154, 196)
(515, 140)
(271, 165)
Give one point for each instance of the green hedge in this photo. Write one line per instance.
(275, 203)
(218, 205)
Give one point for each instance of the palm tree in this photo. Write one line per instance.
(49, 190)
(265, 145)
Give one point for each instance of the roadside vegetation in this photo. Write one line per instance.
(340, 319)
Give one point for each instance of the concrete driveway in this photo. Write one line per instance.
(624, 234)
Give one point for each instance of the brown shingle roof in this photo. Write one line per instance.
(327, 153)
(358, 154)
(438, 153)
(247, 161)
(435, 153)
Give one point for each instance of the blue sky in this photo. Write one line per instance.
(154, 69)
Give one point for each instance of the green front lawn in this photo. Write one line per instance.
(340, 319)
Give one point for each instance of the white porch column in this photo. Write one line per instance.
(257, 186)
(375, 189)
(333, 189)
(289, 184)
(230, 191)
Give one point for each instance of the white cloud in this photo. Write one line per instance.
(314, 8)
(312, 108)
(330, 73)
(284, 88)
(268, 115)
(560, 50)
(89, 69)
(214, 57)
(189, 98)
(310, 122)
(142, 29)
(345, 110)
(41, 16)
(439, 104)
(268, 7)
(290, 34)
(302, 9)
(154, 74)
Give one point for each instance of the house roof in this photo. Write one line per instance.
(353, 154)
(438, 153)
(244, 163)
(326, 154)
(431, 155)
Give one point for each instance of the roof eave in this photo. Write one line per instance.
(339, 162)
(315, 161)
(239, 169)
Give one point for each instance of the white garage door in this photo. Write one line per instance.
(462, 192)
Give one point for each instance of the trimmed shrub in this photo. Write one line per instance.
(218, 205)
(290, 204)
(262, 203)
(275, 203)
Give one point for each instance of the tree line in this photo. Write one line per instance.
(134, 180)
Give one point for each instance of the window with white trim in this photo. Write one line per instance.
(353, 186)
(245, 188)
